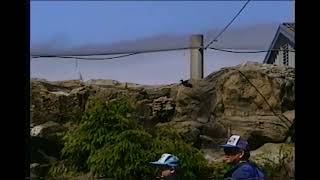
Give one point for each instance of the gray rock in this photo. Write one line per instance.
(46, 130)
(212, 155)
(276, 155)
(224, 99)
(38, 171)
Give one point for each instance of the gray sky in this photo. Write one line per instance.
(110, 26)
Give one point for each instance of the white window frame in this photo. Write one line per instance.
(285, 55)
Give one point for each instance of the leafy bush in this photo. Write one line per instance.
(193, 165)
(218, 170)
(109, 141)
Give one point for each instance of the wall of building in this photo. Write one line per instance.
(280, 55)
(291, 57)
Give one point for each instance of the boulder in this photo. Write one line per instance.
(47, 130)
(58, 102)
(46, 142)
(276, 159)
(255, 101)
(38, 171)
(212, 155)
(162, 108)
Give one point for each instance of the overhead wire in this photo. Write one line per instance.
(226, 27)
(284, 118)
(127, 53)
(248, 52)
(82, 58)
(149, 51)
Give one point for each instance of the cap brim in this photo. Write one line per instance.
(158, 164)
(228, 146)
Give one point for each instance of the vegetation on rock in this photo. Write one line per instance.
(115, 131)
(110, 142)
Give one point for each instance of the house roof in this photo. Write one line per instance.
(287, 30)
(290, 26)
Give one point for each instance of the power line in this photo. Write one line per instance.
(225, 28)
(246, 52)
(81, 58)
(127, 53)
(148, 51)
(265, 99)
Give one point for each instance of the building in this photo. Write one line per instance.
(282, 47)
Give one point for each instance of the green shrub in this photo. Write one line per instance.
(125, 157)
(192, 162)
(59, 168)
(218, 170)
(109, 141)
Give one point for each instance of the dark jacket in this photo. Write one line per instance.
(173, 177)
(245, 171)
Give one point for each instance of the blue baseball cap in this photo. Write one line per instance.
(167, 160)
(235, 141)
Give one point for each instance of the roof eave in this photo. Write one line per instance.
(281, 30)
(271, 45)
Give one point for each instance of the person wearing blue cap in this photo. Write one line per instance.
(168, 164)
(237, 153)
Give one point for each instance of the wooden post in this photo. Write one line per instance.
(196, 57)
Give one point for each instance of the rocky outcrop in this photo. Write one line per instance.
(248, 100)
(254, 100)
(57, 101)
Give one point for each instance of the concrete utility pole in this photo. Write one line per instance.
(196, 57)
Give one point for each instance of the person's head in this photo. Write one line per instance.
(168, 165)
(236, 149)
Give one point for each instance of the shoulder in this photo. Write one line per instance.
(244, 171)
(173, 178)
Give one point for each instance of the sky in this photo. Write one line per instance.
(108, 26)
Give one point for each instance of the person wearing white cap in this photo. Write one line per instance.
(237, 153)
(168, 164)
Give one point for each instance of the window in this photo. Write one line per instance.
(285, 55)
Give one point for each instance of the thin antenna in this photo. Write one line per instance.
(78, 70)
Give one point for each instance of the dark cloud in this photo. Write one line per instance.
(257, 36)
(54, 45)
